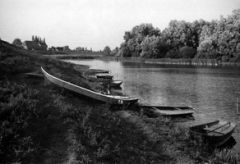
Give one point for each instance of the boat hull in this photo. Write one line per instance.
(214, 137)
(116, 84)
(111, 99)
(172, 111)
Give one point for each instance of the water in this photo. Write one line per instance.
(211, 91)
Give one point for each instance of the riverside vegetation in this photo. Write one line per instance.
(216, 39)
(41, 123)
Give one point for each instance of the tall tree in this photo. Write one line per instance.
(17, 42)
(107, 50)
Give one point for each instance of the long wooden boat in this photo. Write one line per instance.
(111, 99)
(215, 132)
(168, 110)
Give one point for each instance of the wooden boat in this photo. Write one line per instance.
(115, 83)
(215, 132)
(168, 110)
(34, 75)
(111, 99)
(104, 76)
(98, 71)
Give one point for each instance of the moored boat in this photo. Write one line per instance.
(104, 76)
(168, 110)
(34, 75)
(111, 99)
(215, 132)
(115, 83)
(98, 71)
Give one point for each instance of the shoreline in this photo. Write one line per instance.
(162, 61)
(168, 61)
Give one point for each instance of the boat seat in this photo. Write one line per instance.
(221, 131)
(217, 127)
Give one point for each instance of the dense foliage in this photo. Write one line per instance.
(17, 42)
(17, 109)
(107, 50)
(217, 39)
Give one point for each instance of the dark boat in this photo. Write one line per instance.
(168, 110)
(34, 75)
(115, 83)
(215, 132)
(98, 71)
(104, 76)
(111, 99)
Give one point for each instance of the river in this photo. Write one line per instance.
(212, 91)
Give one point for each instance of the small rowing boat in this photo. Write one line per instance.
(34, 75)
(111, 99)
(115, 83)
(168, 110)
(104, 76)
(215, 132)
(98, 71)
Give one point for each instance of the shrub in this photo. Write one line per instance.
(173, 54)
(187, 52)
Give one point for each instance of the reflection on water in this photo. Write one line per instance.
(212, 91)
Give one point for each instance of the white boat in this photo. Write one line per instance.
(111, 99)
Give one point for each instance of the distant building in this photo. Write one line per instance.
(79, 49)
(35, 44)
(66, 49)
(30, 45)
(60, 49)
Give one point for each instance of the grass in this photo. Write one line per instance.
(41, 123)
(17, 109)
(225, 156)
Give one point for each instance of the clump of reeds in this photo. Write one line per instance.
(225, 156)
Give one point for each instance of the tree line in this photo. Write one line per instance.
(216, 39)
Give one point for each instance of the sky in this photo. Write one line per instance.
(98, 23)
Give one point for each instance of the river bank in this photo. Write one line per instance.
(62, 127)
(160, 61)
(168, 61)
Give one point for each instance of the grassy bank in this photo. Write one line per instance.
(42, 123)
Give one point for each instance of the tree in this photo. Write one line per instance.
(179, 33)
(187, 52)
(133, 39)
(17, 42)
(114, 52)
(153, 47)
(220, 38)
(124, 51)
(107, 50)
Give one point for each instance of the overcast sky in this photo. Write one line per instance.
(97, 23)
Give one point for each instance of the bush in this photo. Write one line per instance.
(173, 54)
(124, 51)
(107, 51)
(187, 52)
